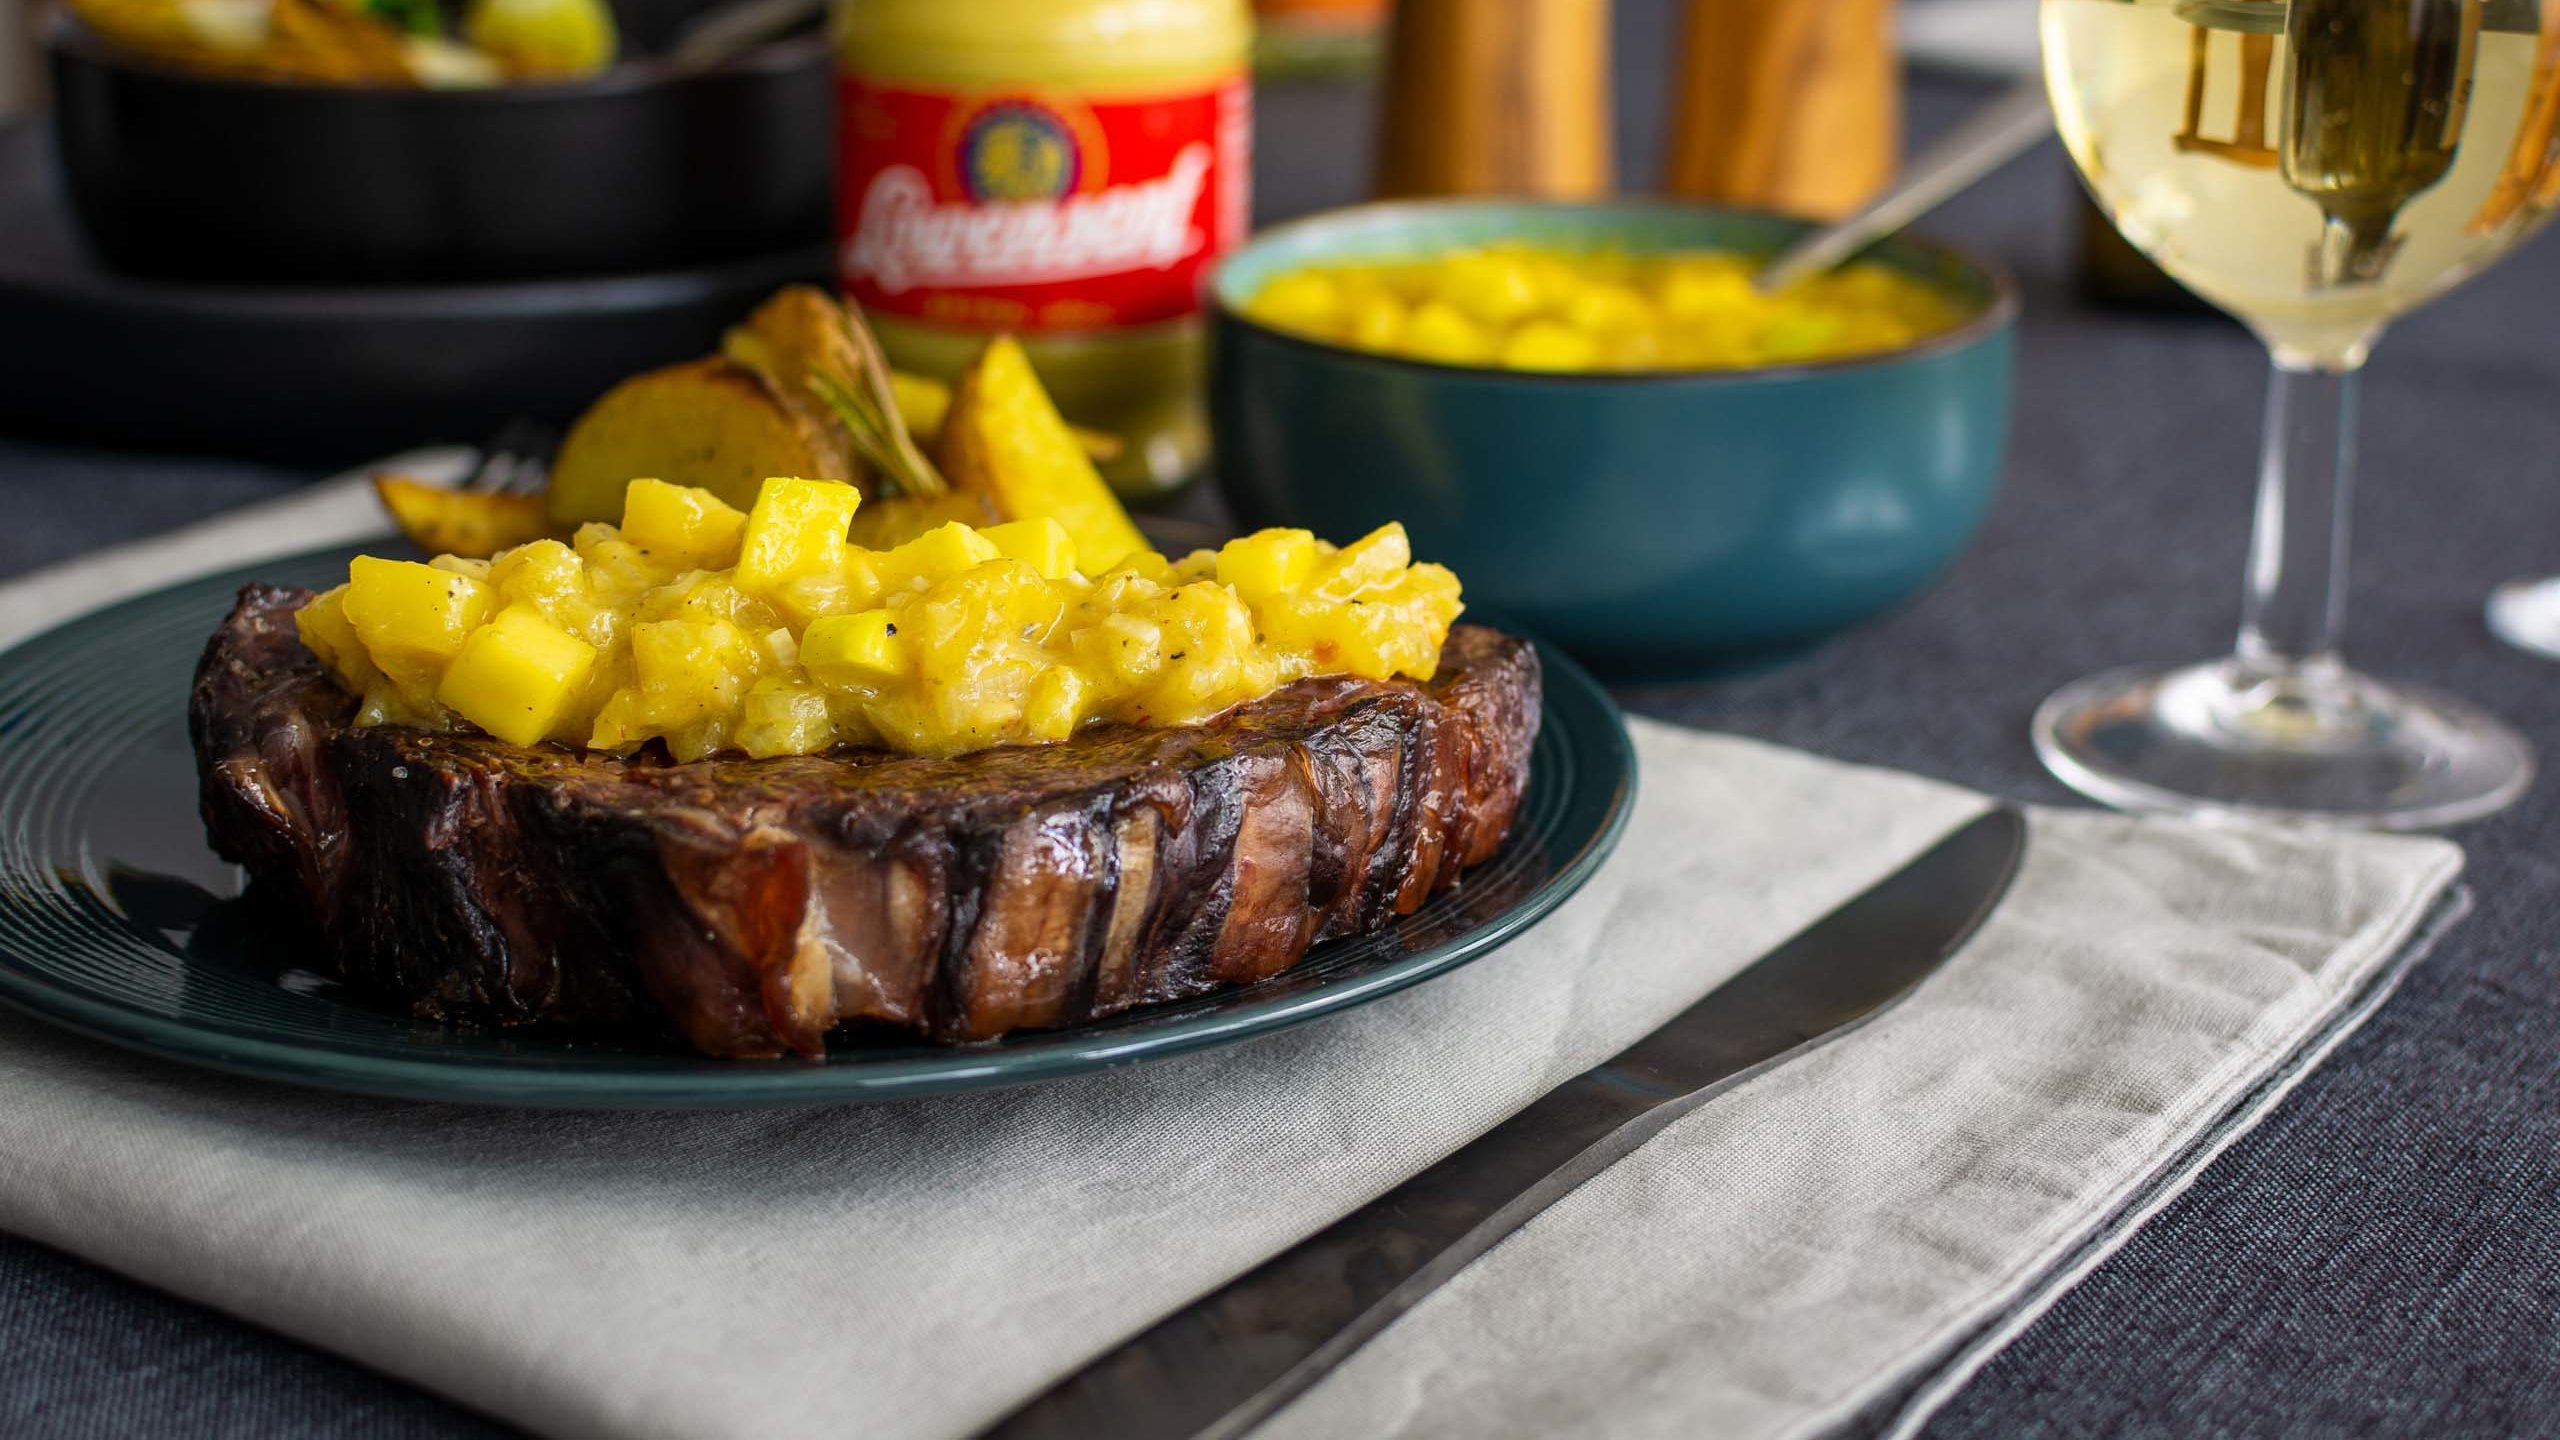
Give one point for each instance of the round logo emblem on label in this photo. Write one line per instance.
(1016, 150)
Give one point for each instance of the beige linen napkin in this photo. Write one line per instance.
(1838, 1240)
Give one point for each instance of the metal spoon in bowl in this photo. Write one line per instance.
(1988, 139)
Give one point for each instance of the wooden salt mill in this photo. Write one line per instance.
(1787, 105)
(1497, 97)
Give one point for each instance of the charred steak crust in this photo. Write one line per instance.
(752, 905)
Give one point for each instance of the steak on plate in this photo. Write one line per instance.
(753, 905)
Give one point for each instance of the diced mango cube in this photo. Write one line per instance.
(936, 555)
(686, 527)
(1198, 565)
(853, 650)
(944, 631)
(1631, 349)
(796, 528)
(708, 595)
(1042, 544)
(1377, 322)
(544, 574)
(518, 677)
(1546, 345)
(691, 670)
(1303, 300)
(702, 738)
(326, 633)
(1266, 562)
(1132, 647)
(1697, 288)
(1800, 337)
(412, 618)
(1359, 635)
(782, 716)
(1495, 287)
(622, 722)
(1599, 307)
(781, 647)
(1056, 704)
(1144, 565)
(1439, 331)
(812, 597)
(862, 572)
(617, 569)
(1374, 559)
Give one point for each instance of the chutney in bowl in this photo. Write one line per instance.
(1653, 521)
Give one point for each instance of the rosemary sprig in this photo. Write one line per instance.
(880, 436)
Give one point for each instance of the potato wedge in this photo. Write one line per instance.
(799, 330)
(474, 524)
(709, 422)
(822, 360)
(923, 401)
(1005, 440)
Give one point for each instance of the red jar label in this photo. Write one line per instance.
(1026, 210)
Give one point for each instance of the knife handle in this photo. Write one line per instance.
(1227, 1361)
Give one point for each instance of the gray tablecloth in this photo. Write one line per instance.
(2383, 1255)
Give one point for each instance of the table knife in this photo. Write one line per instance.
(1228, 1361)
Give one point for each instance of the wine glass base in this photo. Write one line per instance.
(2313, 744)
(2526, 615)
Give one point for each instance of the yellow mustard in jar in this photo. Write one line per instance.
(1062, 170)
(1525, 308)
(767, 632)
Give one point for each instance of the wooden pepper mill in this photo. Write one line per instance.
(1497, 97)
(1787, 105)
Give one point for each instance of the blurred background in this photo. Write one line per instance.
(304, 234)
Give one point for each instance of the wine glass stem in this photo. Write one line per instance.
(2297, 595)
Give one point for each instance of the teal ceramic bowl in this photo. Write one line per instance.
(1652, 523)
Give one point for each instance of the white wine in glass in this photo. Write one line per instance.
(2316, 168)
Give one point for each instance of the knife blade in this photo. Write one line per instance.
(1228, 1361)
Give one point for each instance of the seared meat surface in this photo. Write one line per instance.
(752, 905)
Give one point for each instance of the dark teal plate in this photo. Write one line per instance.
(116, 921)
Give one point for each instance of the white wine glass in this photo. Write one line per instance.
(2316, 168)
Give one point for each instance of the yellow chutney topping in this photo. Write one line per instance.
(767, 632)
(1526, 308)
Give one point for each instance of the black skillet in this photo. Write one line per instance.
(646, 167)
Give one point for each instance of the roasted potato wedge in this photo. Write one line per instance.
(710, 423)
(822, 362)
(1004, 439)
(923, 401)
(797, 332)
(474, 524)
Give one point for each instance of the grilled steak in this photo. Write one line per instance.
(753, 905)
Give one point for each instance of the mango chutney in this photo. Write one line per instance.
(1526, 308)
(767, 632)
